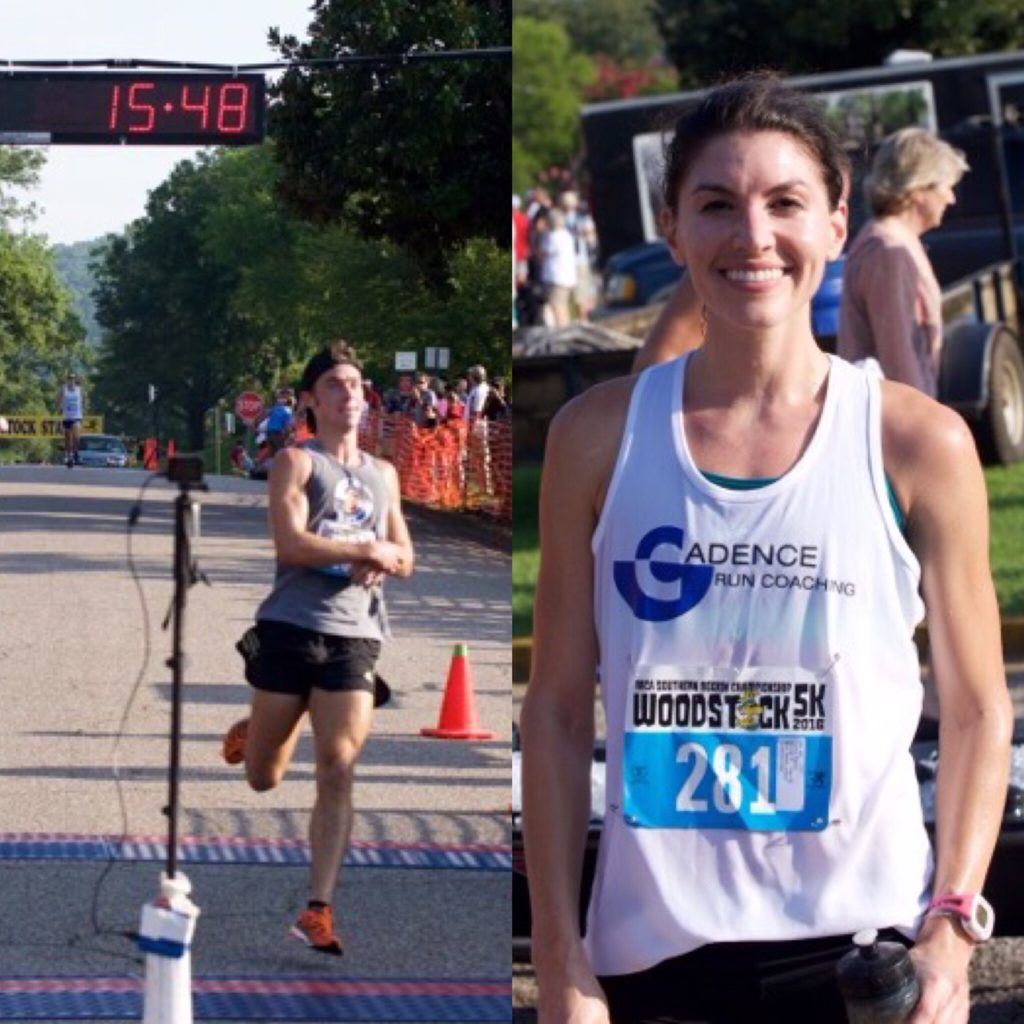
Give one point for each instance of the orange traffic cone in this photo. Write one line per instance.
(458, 711)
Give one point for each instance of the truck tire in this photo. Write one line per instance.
(1000, 431)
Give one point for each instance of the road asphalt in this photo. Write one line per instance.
(86, 687)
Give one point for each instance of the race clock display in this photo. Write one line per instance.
(131, 108)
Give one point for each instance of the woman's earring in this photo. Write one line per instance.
(703, 324)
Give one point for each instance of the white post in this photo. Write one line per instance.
(165, 935)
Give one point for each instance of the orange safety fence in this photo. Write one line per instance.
(452, 466)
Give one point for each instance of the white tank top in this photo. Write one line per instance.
(72, 403)
(761, 689)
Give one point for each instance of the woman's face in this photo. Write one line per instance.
(753, 227)
(932, 204)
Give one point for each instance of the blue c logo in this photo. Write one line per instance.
(694, 580)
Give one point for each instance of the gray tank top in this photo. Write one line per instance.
(345, 503)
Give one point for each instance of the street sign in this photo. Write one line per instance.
(248, 406)
(131, 107)
(443, 358)
(405, 361)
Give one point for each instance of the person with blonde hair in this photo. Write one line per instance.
(891, 307)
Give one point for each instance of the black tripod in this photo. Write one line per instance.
(187, 473)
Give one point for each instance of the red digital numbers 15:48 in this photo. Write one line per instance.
(199, 107)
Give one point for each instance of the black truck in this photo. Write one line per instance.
(974, 103)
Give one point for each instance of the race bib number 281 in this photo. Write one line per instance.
(718, 748)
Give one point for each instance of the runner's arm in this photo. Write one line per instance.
(678, 328)
(557, 720)
(289, 514)
(947, 513)
(398, 529)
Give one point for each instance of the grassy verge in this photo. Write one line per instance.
(1006, 508)
(525, 546)
(1006, 505)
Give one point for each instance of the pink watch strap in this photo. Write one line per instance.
(952, 903)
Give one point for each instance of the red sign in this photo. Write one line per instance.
(248, 406)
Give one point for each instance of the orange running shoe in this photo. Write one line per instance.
(315, 927)
(233, 745)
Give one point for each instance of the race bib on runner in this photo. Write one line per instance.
(728, 748)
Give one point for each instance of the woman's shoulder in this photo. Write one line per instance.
(922, 440)
(882, 253)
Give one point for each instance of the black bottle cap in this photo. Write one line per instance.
(874, 968)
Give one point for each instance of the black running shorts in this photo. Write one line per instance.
(290, 659)
(69, 424)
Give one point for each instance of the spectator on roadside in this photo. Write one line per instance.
(558, 269)
(891, 309)
(424, 402)
(581, 226)
(477, 397)
(392, 400)
(456, 404)
(370, 395)
(495, 405)
(280, 419)
(440, 389)
(521, 249)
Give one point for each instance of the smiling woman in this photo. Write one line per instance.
(776, 792)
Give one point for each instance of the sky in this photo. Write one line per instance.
(86, 191)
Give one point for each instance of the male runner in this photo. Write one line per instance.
(338, 530)
(71, 409)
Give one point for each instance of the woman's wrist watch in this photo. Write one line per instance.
(971, 909)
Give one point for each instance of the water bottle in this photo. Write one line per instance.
(877, 980)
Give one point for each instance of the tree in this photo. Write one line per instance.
(40, 338)
(415, 153)
(19, 168)
(546, 92)
(622, 30)
(166, 307)
(707, 39)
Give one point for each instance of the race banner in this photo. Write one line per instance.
(29, 426)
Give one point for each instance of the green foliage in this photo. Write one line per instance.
(525, 546)
(623, 30)
(546, 89)
(1006, 508)
(709, 39)
(19, 168)
(40, 338)
(413, 153)
(166, 308)
(72, 266)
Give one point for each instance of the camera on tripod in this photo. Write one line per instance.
(185, 470)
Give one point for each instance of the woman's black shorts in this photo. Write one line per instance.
(289, 659)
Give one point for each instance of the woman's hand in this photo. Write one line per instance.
(941, 957)
(574, 998)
